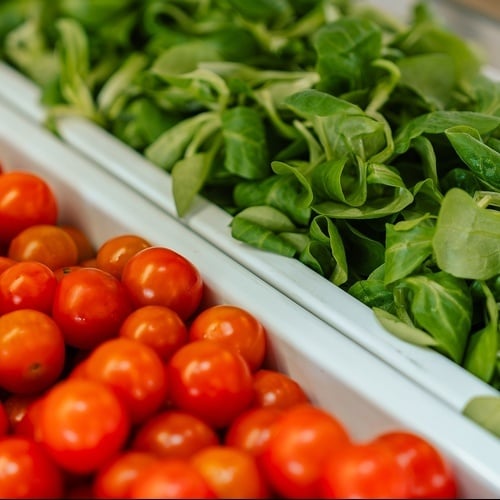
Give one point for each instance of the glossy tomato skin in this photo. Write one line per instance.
(32, 351)
(174, 434)
(230, 472)
(85, 249)
(26, 470)
(211, 381)
(82, 425)
(273, 389)
(27, 285)
(301, 441)
(115, 252)
(365, 470)
(4, 420)
(25, 200)
(157, 326)
(170, 478)
(235, 328)
(161, 276)
(89, 307)
(5, 262)
(44, 243)
(116, 477)
(134, 371)
(251, 429)
(430, 476)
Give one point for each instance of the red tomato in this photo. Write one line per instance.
(274, 389)
(16, 406)
(366, 470)
(44, 243)
(430, 476)
(235, 328)
(82, 424)
(4, 420)
(28, 424)
(210, 381)
(89, 307)
(5, 263)
(115, 479)
(25, 200)
(160, 276)
(84, 246)
(230, 472)
(170, 478)
(161, 328)
(251, 429)
(174, 434)
(114, 253)
(26, 471)
(32, 351)
(300, 444)
(134, 371)
(27, 285)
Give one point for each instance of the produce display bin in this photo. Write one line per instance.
(368, 395)
(434, 372)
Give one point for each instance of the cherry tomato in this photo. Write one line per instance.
(16, 406)
(134, 371)
(62, 271)
(25, 200)
(82, 424)
(26, 470)
(27, 285)
(365, 470)
(170, 478)
(161, 328)
(235, 328)
(160, 276)
(299, 446)
(89, 307)
(230, 472)
(274, 389)
(44, 243)
(4, 421)
(115, 479)
(251, 429)
(32, 351)
(174, 434)
(85, 249)
(27, 426)
(5, 263)
(430, 476)
(211, 381)
(114, 253)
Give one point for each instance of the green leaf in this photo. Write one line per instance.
(188, 177)
(482, 351)
(441, 305)
(403, 330)
(483, 160)
(438, 122)
(245, 143)
(408, 245)
(467, 238)
(170, 146)
(247, 227)
(485, 411)
(345, 49)
(324, 230)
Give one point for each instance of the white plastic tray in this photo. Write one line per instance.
(431, 370)
(367, 394)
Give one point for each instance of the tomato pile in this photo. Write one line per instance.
(118, 381)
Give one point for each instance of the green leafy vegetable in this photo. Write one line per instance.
(364, 147)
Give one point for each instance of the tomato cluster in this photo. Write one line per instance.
(118, 381)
